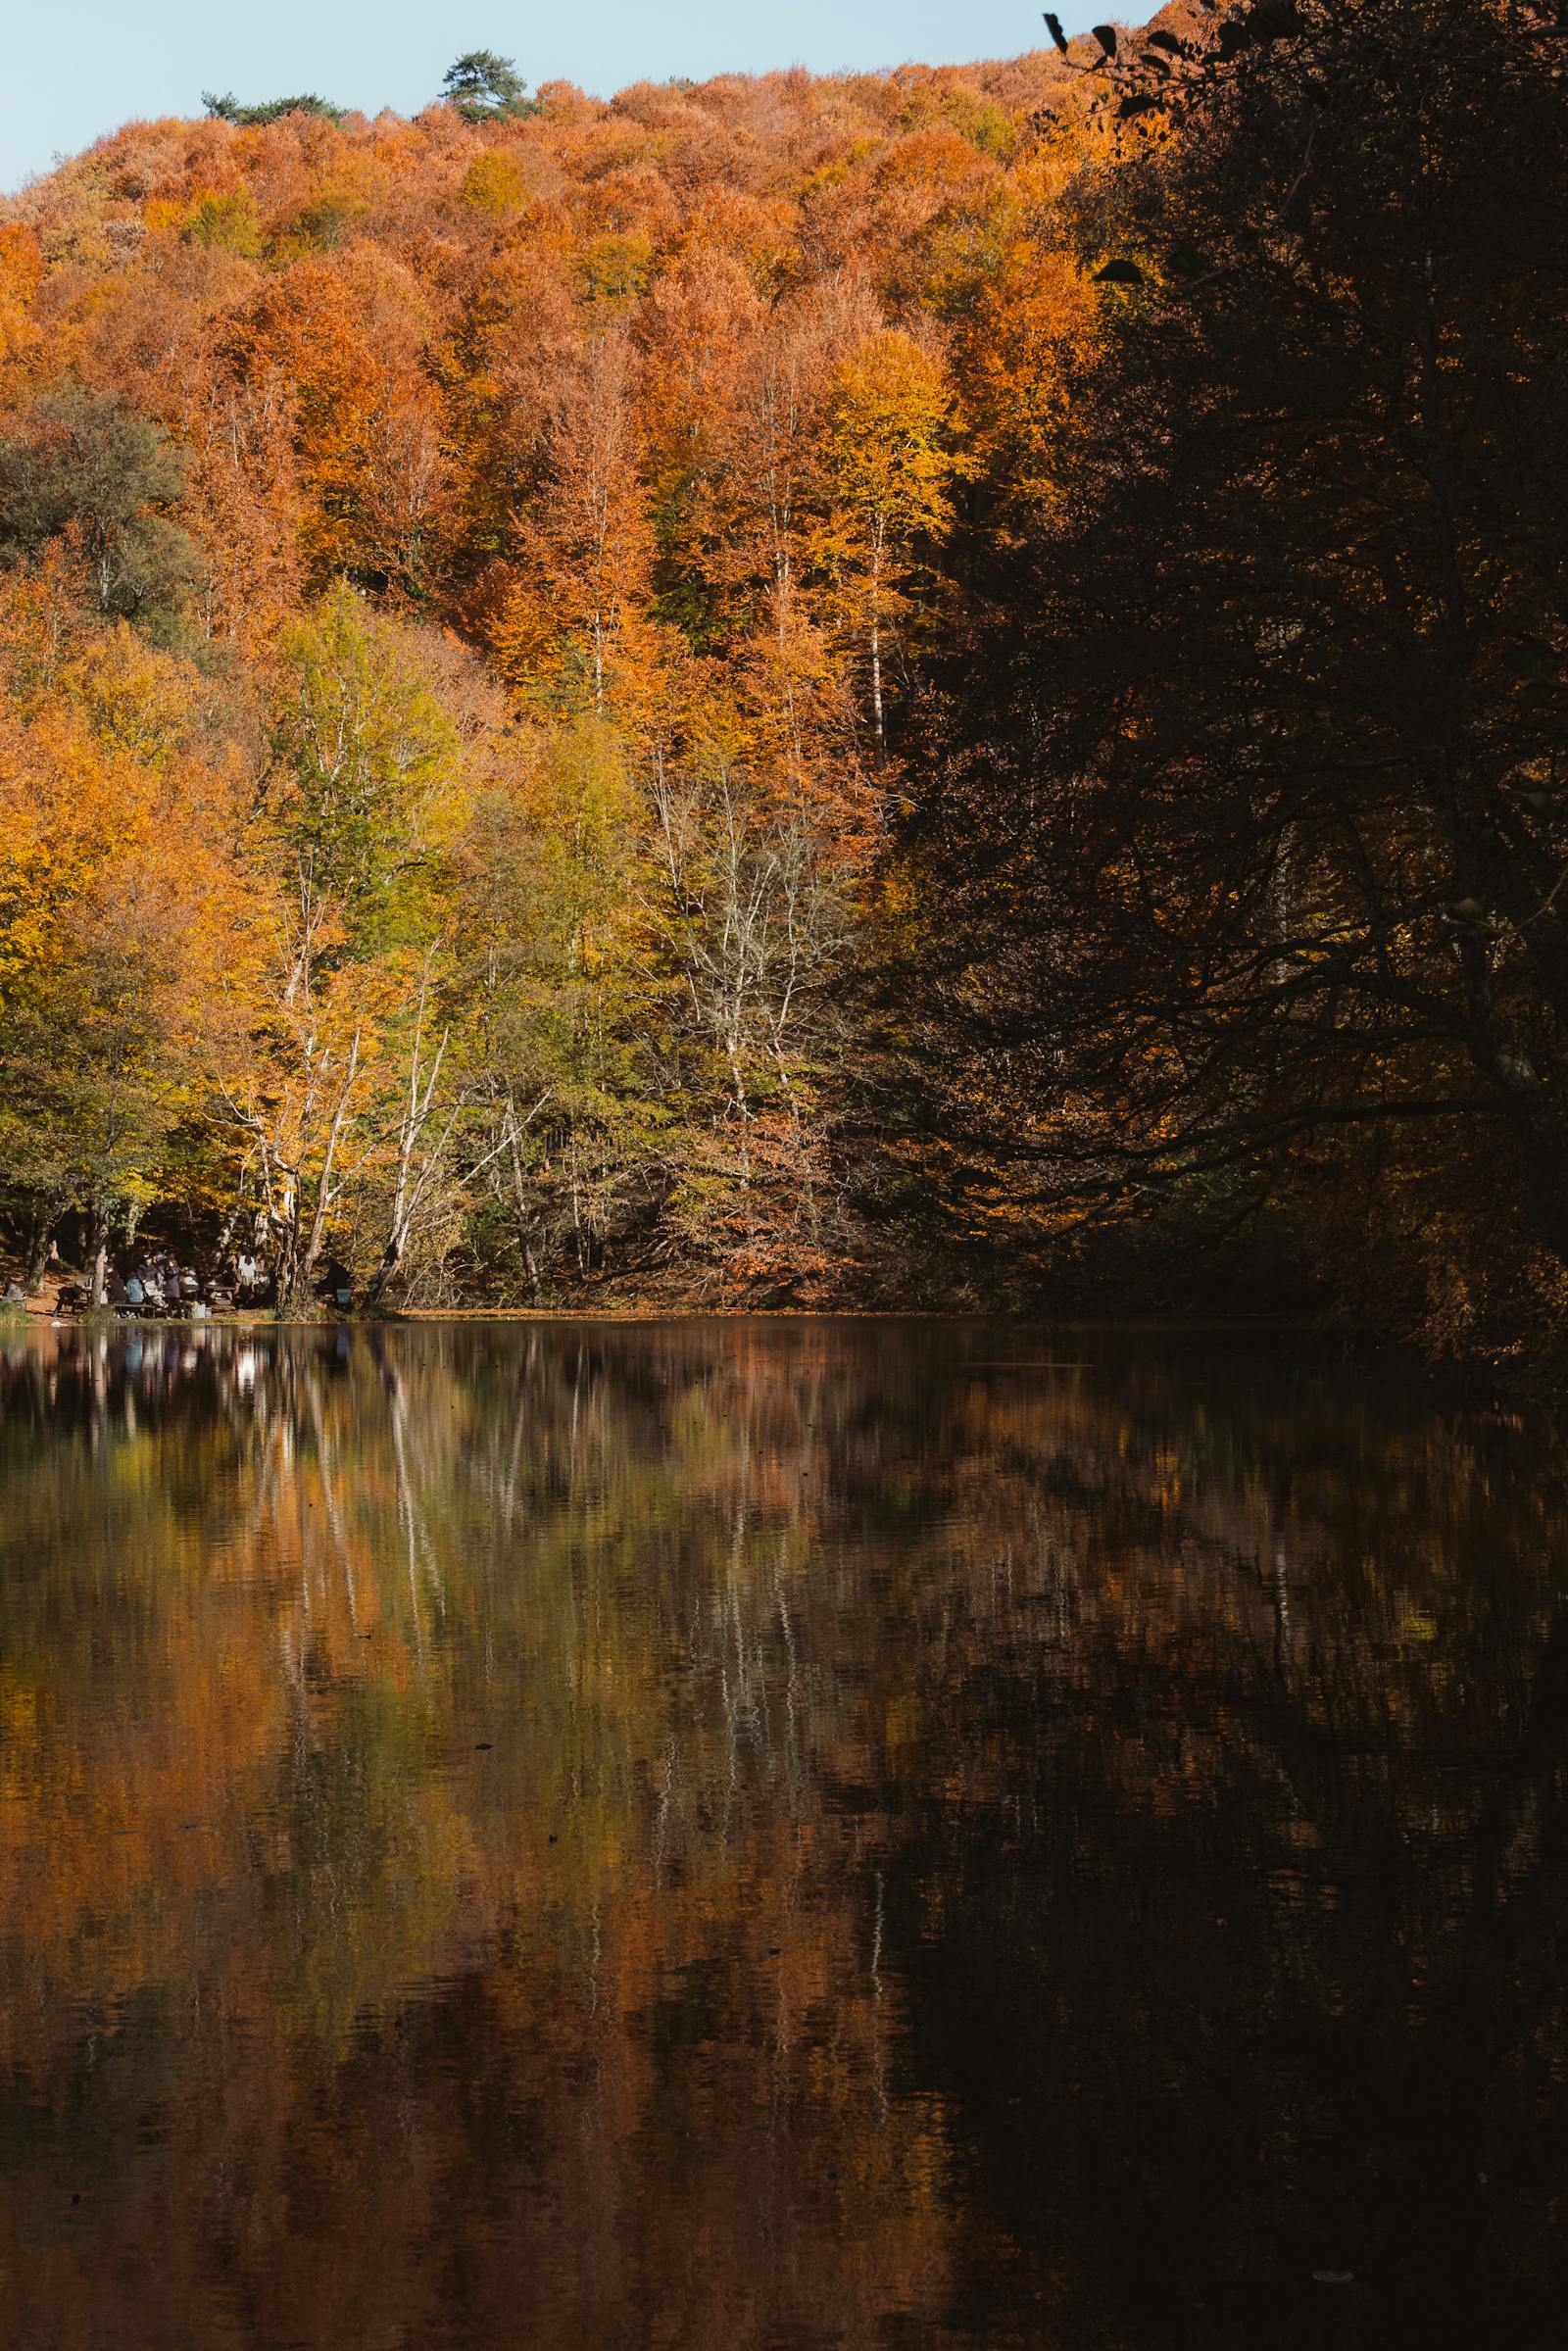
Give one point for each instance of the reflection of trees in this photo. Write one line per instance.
(723, 1834)
(1214, 1947)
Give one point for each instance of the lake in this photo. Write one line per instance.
(778, 1834)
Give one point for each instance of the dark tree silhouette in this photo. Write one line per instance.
(1247, 788)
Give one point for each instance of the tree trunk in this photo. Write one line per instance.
(386, 1270)
(41, 1250)
(98, 1242)
(876, 683)
(294, 1281)
(305, 1248)
(295, 1263)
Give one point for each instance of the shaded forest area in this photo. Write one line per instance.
(934, 688)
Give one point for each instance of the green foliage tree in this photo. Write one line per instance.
(486, 88)
(83, 467)
(567, 1016)
(227, 109)
(362, 803)
(228, 222)
(366, 768)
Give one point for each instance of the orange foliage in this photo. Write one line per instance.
(655, 407)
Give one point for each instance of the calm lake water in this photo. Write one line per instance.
(774, 1834)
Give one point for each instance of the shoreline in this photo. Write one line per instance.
(102, 1321)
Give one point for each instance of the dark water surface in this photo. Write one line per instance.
(779, 1835)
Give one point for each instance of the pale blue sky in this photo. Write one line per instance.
(79, 67)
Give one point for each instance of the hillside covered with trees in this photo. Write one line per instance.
(897, 689)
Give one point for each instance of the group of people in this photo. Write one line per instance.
(158, 1284)
(153, 1283)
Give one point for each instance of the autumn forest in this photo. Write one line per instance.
(925, 689)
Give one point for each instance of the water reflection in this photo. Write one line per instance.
(772, 1833)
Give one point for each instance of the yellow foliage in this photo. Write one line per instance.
(494, 184)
